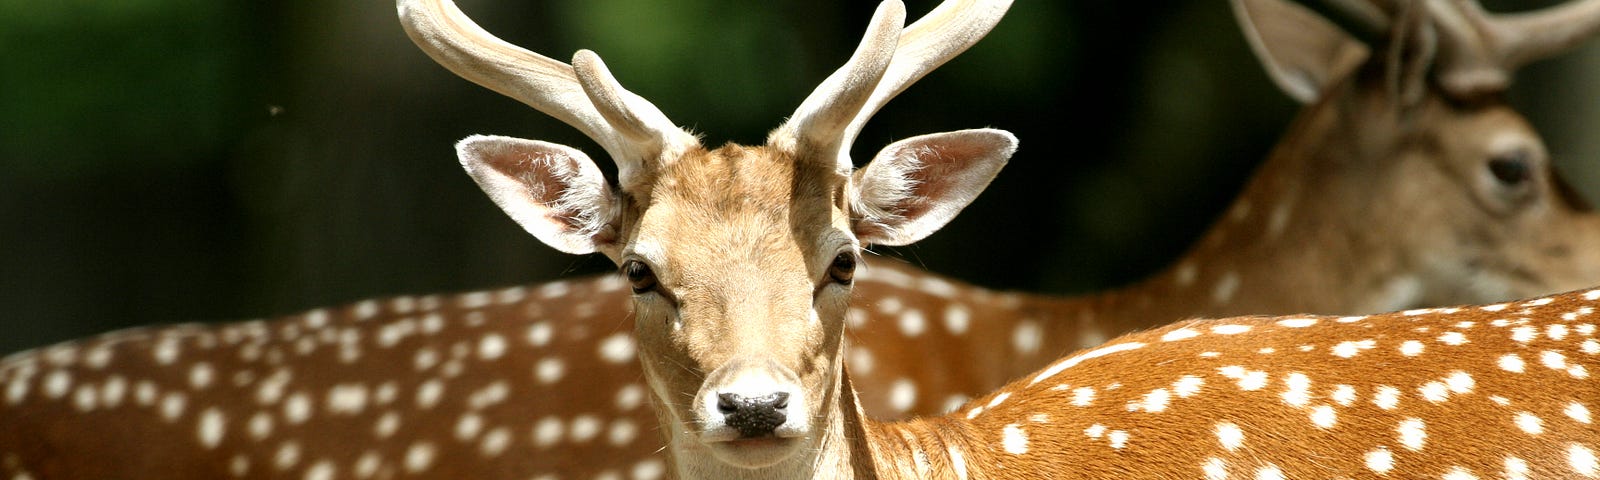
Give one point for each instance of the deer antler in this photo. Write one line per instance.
(1481, 49)
(630, 129)
(820, 123)
(942, 34)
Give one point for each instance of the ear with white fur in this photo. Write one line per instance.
(555, 192)
(915, 186)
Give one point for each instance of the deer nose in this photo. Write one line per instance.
(753, 417)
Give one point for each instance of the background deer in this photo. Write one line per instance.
(561, 328)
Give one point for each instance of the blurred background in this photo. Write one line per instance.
(193, 160)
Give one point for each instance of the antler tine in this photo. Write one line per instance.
(622, 123)
(820, 123)
(1482, 49)
(951, 28)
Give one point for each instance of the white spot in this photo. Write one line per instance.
(1380, 460)
(1453, 339)
(1386, 397)
(1180, 334)
(1230, 436)
(1411, 348)
(539, 334)
(495, 442)
(902, 395)
(1349, 349)
(585, 427)
(1434, 392)
(419, 457)
(549, 370)
(1249, 380)
(860, 361)
(1230, 329)
(1459, 473)
(429, 393)
(1578, 412)
(1187, 386)
(1344, 395)
(997, 399)
(297, 409)
(468, 426)
(84, 398)
(1083, 396)
(653, 469)
(1529, 423)
(347, 399)
(1298, 389)
(172, 406)
(386, 425)
(366, 309)
(57, 383)
(1027, 337)
(1591, 347)
(166, 351)
(1014, 440)
(554, 289)
(17, 390)
(260, 425)
(1494, 308)
(1592, 295)
(1553, 360)
(112, 391)
(1269, 472)
(239, 465)
(630, 397)
(1412, 433)
(1222, 292)
(957, 318)
(210, 428)
(1516, 469)
(951, 403)
(1323, 416)
(491, 347)
(1556, 331)
(1092, 354)
(1538, 302)
(1297, 322)
(322, 470)
(547, 432)
(1186, 273)
(1095, 431)
(1117, 438)
(287, 456)
(1582, 459)
(1215, 469)
(855, 318)
(1153, 402)
(890, 305)
(1499, 400)
(1510, 362)
(622, 432)
(1460, 382)
(617, 348)
(1524, 334)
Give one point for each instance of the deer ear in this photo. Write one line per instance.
(1300, 50)
(916, 185)
(554, 191)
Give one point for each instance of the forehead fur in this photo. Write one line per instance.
(738, 200)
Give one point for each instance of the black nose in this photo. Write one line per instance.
(753, 417)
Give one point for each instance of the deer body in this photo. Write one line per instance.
(454, 368)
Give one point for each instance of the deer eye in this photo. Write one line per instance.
(1511, 168)
(639, 276)
(843, 268)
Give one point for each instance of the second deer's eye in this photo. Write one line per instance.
(843, 268)
(1512, 168)
(639, 276)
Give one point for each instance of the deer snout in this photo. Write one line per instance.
(753, 417)
(751, 399)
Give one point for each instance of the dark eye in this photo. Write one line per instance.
(843, 268)
(1511, 168)
(639, 275)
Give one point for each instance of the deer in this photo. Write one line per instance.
(747, 234)
(904, 317)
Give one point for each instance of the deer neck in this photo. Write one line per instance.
(1271, 239)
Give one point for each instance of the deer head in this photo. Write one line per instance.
(1421, 102)
(758, 244)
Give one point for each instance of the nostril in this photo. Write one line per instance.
(753, 417)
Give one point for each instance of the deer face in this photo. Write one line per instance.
(741, 265)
